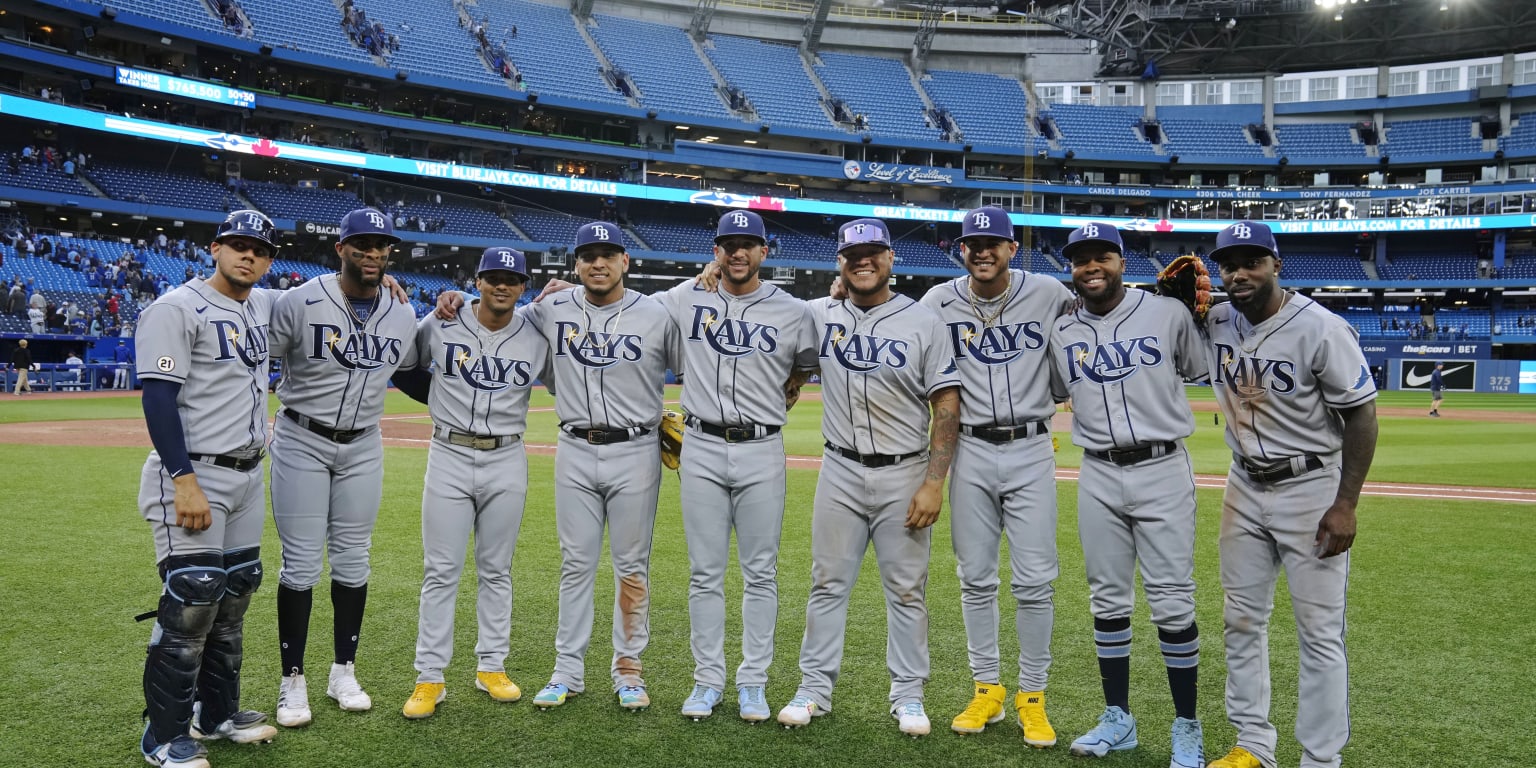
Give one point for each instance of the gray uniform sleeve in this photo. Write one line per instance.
(805, 342)
(1342, 374)
(164, 340)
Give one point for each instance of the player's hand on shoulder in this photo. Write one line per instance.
(192, 511)
(555, 285)
(395, 289)
(838, 291)
(448, 303)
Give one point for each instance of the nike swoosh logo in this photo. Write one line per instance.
(947, 303)
(1416, 380)
(448, 324)
(308, 302)
(1063, 327)
(558, 302)
(202, 309)
(1221, 320)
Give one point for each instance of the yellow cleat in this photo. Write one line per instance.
(423, 701)
(498, 685)
(1237, 758)
(986, 708)
(1037, 729)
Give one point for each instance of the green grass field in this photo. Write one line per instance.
(1437, 628)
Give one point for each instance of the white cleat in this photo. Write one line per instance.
(911, 719)
(293, 702)
(799, 711)
(344, 688)
(245, 727)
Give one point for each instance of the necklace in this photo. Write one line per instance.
(976, 301)
(587, 316)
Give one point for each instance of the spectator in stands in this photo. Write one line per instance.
(37, 318)
(37, 299)
(122, 358)
(69, 167)
(29, 155)
(16, 300)
(14, 164)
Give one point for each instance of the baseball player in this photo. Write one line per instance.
(743, 343)
(884, 363)
(610, 349)
(997, 321)
(1300, 408)
(483, 364)
(340, 338)
(1436, 390)
(1123, 358)
(204, 348)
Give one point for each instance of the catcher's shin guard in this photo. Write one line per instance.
(194, 585)
(218, 683)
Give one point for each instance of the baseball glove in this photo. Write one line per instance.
(671, 438)
(1187, 280)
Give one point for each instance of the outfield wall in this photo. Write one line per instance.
(1464, 375)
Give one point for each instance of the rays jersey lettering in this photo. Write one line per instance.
(354, 351)
(1112, 362)
(729, 337)
(1249, 376)
(486, 372)
(995, 345)
(595, 349)
(861, 353)
(250, 347)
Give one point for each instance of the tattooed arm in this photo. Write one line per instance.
(942, 435)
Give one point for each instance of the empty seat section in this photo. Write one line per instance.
(662, 63)
(549, 52)
(881, 90)
(991, 109)
(773, 79)
(1103, 130)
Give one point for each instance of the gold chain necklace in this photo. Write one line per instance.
(977, 301)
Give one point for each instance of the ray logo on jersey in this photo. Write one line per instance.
(355, 351)
(1114, 361)
(595, 349)
(1251, 377)
(859, 352)
(730, 337)
(485, 372)
(250, 347)
(995, 344)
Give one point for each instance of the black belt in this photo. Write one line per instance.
(477, 442)
(1283, 469)
(605, 436)
(342, 436)
(1000, 435)
(739, 434)
(1135, 454)
(872, 460)
(237, 463)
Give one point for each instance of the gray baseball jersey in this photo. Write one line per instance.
(740, 350)
(609, 365)
(1009, 487)
(216, 348)
(1125, 373)
(480, 387)
(878, 369)
(1280, 385)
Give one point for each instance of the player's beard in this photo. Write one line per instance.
(355, 274)
(1114, 285)
(1264, 292)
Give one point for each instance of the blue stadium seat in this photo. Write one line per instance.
(881, 90)
(773, 79)
(662, 62)
(1102, 130)
(549, 52)
(991, 109)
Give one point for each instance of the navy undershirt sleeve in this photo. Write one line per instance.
(164, 422)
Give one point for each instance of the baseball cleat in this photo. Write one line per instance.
(701, 703)
(1237, 758)
(634, 698)
(499, 686)
(1116, 731)
(752, 700)
(552, 695)
(293, 701)
(799, 711)
(911, 719)
(1037, 729)
(344, 688)
(245, 727)
(180, 752)
(424, 700)
(986, 708)
(1188, 744)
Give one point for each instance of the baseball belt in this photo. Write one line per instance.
(1134, 454)
(1000, 435)
(1282, 469)
(605, 436)
(477, 442)
(872, 460)
(229, 461)
(736, 434)
(332, 434)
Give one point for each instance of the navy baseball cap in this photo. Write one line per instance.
(862, 231)
(367, 221)
(247, 223)
(1245, 234)
(741, 223)
(599, 233)
(987, 221)
(504, 259)
(1093, 233)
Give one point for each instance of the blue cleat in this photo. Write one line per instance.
(701, 703)
(1116, 731)
(552, 695)
(634, 697)
(1188, 744)
(753, 702)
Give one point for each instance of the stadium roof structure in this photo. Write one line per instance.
(1189, 37)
